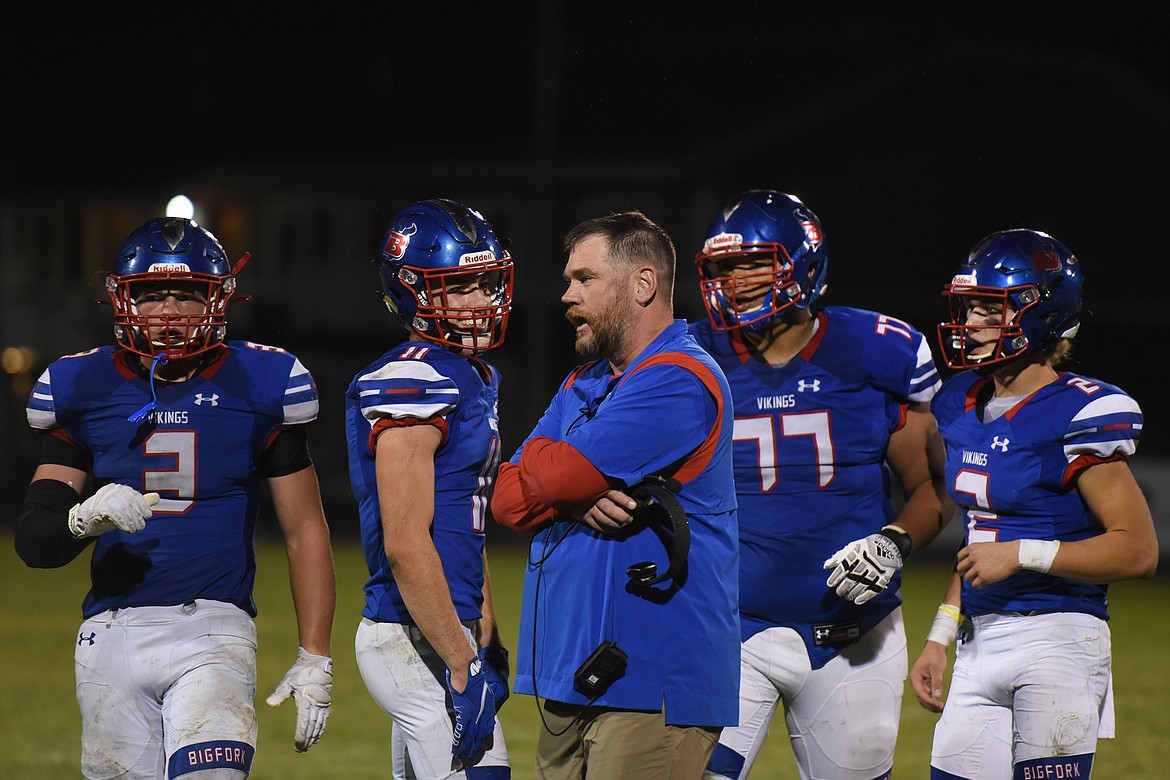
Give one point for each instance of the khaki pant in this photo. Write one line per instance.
(595, 743)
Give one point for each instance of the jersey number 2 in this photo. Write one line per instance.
(980, 522)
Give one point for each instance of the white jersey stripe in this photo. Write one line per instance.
(1100, 449)
(1106, 405)
(405, 369)
(42, 421)
(296, 414)
(402, 411)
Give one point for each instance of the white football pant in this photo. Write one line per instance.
(167, 688)
(1025, 687)
(842, 718)
(407, 679)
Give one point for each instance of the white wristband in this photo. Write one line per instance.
(1037, 554)
(945, 627)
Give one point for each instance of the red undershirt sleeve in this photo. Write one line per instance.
(550, 477)
(387, 422)
(513, 505)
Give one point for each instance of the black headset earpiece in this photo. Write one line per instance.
(656, 494)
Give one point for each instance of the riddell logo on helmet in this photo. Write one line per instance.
(964, 280)
(398, 242)
(470, 258)
(169, 268)
(724, 242)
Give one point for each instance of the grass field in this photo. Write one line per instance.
(39, 724)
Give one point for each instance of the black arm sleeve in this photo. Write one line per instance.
(287, 454)
(62, 452)
(42, 533)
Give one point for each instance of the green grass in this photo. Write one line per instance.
(40, 727)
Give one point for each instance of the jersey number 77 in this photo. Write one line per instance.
(762, 431)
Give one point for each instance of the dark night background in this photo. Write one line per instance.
(911, 131)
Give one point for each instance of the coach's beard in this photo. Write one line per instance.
(607, 329)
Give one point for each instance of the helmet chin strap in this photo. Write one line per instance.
(472, 343)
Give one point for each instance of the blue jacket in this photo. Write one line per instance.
(668, 413)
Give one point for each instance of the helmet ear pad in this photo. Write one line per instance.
(763, 221)
(177, 254)
(429, 250)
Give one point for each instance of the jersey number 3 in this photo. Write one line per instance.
(176, 485)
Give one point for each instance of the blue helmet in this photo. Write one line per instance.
(171, 253)
(786, 239)
(1029, 276)
(432, 250)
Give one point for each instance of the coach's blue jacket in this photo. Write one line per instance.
(669, 413)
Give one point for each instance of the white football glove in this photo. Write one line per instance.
(112, 506)
(310, 682)
(862, 569)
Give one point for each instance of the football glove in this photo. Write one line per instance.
(862, 569)
(112, 506)
(310, 682)
(475, 712)
(495, 668)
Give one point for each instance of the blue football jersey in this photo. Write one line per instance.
(1015, 477)
(415, 382)
(198, 450)
(810, 472)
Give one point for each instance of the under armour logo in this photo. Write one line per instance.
(814, 385)
(213, 399)
(1001, 445)
(83, 638)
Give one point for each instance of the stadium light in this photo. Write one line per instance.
(17, 360)
(181, 206)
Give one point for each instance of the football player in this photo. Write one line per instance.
(1037, 459)
(423, 436)
(826, 403)
(177, 428)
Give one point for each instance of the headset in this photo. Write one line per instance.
(656, 496)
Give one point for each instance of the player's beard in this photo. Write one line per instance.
(607, 330)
